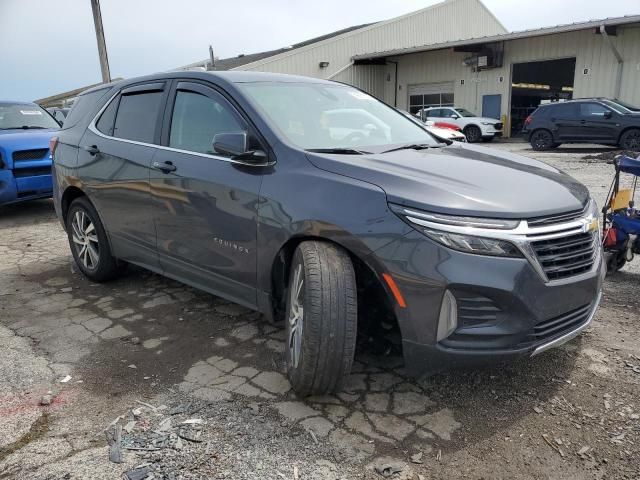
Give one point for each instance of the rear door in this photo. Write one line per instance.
(114, 158)
(565, 122)
(205, 204)
(599, 123)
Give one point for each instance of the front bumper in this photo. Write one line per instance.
(505, 309)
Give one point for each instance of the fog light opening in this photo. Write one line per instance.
(448, 320)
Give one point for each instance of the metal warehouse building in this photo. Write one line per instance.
(458, 53)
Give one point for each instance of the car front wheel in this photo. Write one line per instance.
(89, 243)
(630, 140)
(321, 318)
(473, 134)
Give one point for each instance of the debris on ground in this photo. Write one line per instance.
(610, 155)
(114, 439)
(46, 399)
(388, 470)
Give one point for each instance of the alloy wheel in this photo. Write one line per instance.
(541, 140)
(632, 141)
(85, 239)
(296, 316)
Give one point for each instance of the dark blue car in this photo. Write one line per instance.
(25, 159)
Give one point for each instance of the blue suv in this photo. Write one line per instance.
(25, 158)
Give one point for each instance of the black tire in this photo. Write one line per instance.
(106, 266)
(616, 262)
(630, 140)
(327, 332)
(541, 140)
(473, 133)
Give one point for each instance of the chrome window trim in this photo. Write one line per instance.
(92, 127)
(522, 236)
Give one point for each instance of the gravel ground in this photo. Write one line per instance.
(147, 378)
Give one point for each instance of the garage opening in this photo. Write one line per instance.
(534, 83)
(430, 95)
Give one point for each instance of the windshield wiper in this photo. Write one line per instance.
(23, 127)
(338, 151)
(412, 146)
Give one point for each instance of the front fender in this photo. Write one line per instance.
(308, 202)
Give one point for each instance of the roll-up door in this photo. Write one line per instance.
(430, 95)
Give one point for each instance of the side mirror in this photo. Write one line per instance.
(608, 114)
(454, 116)
(236, 146)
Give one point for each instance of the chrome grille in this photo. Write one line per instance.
(557, 218)
(566, 256)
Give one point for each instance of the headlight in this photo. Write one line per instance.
(438, 228)
(471, 244)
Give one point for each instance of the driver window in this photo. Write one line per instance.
(197, 118)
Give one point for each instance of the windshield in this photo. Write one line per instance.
(464, 113)
(24, 115)
(319, 116)
(621, 107)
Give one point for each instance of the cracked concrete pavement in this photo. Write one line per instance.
(146, 338)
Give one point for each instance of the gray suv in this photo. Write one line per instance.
(324, 208)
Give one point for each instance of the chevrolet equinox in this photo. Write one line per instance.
(318, 205)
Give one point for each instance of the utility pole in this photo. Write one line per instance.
(102, 47)
(212, 59)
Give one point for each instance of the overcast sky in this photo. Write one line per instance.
(49, 46)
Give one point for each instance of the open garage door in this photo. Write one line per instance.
(534, 83)
(430, 95)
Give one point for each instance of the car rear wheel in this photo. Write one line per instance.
(630, 140)
(541, 140)
(321, 318)
(473, 134)
(89, 243)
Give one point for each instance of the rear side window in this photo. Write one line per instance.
(563, 110)
(137, 116)
(197, 119)
(84, 104)
(592, 110)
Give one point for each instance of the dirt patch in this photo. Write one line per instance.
(609, 156)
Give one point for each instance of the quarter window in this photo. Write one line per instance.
(137, 116)
(107, 119)
(198, 118)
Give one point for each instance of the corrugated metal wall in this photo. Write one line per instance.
(589, 49)
(446, 21)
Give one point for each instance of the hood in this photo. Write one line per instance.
(486, 120)
(462, 179)
(20, 139)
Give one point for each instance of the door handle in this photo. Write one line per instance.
(164, 167)
(91, 149)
